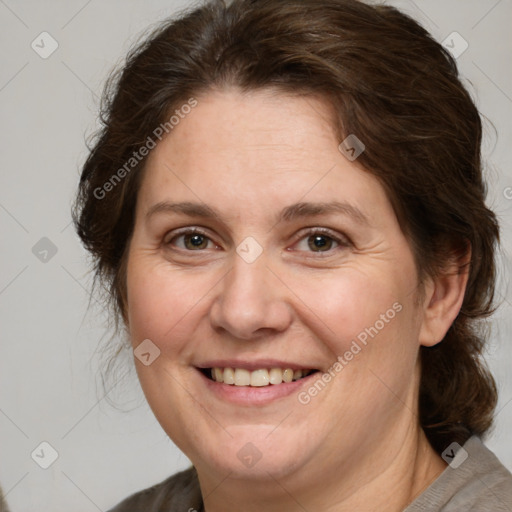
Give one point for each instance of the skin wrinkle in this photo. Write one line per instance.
(360, 442)
(270, 132)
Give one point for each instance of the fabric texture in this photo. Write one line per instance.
(180, 492)
(479, 484)
(475, 481)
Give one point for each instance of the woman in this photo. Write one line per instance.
(287, 205)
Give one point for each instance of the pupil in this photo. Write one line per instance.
(196, 240)
(320, 242)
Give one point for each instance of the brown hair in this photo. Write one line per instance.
(389, 83)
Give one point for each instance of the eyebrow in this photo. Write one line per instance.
(287, 214)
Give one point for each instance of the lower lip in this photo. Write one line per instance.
(249, 395)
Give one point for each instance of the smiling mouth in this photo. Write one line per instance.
(257, 378)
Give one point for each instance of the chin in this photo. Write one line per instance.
(252, 453)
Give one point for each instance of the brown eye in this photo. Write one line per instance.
(321, 240)
(195, 241)
(320, 243)
(191, 240)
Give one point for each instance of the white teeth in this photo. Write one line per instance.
(258, 378)
(242, 377)
(228, 376)
(288, 375)
(218, 375)
(276, 376)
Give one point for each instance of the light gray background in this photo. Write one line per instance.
(48, 367)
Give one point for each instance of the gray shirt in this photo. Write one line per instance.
(475, 481)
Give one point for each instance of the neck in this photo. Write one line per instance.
(385, 479)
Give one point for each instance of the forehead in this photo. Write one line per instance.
(255, 151)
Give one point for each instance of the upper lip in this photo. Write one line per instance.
(253, 365)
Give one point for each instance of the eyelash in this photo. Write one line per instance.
(341, 241)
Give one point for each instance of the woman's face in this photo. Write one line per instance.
(258, 249)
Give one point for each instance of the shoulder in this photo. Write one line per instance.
(488, 483)
(475, 480)
(178, 492)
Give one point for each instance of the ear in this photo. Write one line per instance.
(443, 299)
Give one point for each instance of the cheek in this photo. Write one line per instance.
(370, 325)
(162, 303)
(350, 305)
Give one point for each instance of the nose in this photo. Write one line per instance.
(251, 302)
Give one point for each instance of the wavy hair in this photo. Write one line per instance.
(390, 83)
